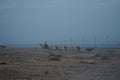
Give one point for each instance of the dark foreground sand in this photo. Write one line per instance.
(40, 64)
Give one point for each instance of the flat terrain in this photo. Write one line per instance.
(72, 64)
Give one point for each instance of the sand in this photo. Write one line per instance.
(41, 64)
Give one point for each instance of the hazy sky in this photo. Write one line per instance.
(32, 21)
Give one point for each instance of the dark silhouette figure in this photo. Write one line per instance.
(45, 46)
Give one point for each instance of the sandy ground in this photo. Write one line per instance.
(40, 64)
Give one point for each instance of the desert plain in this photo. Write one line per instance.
(51, 64)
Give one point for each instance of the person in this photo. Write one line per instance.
(46, 45)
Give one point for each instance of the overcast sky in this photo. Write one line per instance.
(32, 21)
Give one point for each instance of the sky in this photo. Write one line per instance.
(35, 21)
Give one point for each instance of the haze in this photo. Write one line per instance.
(36, 21)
